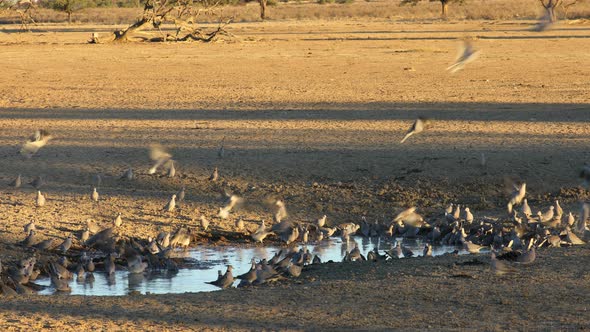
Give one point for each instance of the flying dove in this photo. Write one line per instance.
(543, 23)
(500, 268)
(466, 55)
(419, 125)
(38, 140)
(281, 211)
(159, 156)
(517, 196)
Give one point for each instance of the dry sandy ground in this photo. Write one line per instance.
(311, 112)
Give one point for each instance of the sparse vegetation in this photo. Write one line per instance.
(98, 11)
(444, 5)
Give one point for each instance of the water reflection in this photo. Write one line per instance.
(216, 258)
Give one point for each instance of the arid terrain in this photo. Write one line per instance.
(311, 112)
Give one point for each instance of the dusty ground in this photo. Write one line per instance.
(311, 112)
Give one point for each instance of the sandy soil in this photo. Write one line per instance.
(311, 112)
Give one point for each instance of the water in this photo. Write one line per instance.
(211, 259)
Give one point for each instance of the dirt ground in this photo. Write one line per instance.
(311, 112)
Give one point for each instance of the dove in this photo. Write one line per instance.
(127, 174)
(457, 213)
(449, 209)
(85, 235)
(260, 235)
(60, 285)
(163, 239)
(527, 257)
(160, 156)
(171, 170)
(215, 175)
(40, 199)
(558, 210)
(135, 265)
(466, 55)
(226, 280)
(180, 194)
(526, 209)
(65, 246)
(543, 23)
(547, 216)
(472, 248)
(322, 221)
(570, 219)
(204, 223)
(38, 140)
(109, 264)
(419, 125)
(400, 216)
(406, 251)
(118, 220)
(171, 205)
(92, 227)
(16, 183)
(29, 240)
(94, 195)
(517, 196)
(500, 268)
(239, 224)
(37, 182)
(281, 211)
(29, 227)
(468, 216)
(305, 236)
(573, 238)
